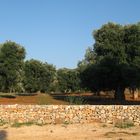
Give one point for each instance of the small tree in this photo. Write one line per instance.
(68, 80)
(38, 76)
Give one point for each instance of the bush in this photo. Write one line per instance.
(2, 122)
(17, 124)
(124, 124)
(78, 100)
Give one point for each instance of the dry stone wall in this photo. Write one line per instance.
(53, 114)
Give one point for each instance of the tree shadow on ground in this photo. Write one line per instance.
(3, 135)
(8, 96)
(98, 100)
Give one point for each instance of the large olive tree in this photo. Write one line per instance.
(117, 66)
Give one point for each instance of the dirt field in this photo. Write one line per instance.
(59, 99)
(31, 100)
(70, 132)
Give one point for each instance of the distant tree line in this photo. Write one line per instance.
(112, 64)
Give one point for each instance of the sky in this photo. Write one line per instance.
(60, 31)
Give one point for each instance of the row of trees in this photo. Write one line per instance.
(112, 64)
(18, 75)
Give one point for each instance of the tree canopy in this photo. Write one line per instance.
(68, 80)
(38, 76)
(11, 66)
(117, 51)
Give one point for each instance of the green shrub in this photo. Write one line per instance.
(124, 124)
(17, 124)
(78, 100)
(2, 122)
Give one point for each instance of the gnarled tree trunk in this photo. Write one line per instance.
(119, 94)
(135, 94)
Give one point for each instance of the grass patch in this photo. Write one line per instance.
(124, 124)
(75, 100)
(17, 124)
(27, 98)
(44, 99)
(66, 123)
(2, 122)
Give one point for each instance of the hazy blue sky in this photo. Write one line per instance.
(59, 31)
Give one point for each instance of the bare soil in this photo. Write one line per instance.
(95, 131)
(59, 99)
(31, 100)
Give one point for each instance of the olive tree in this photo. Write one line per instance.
(11, 67)
(117, 65)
